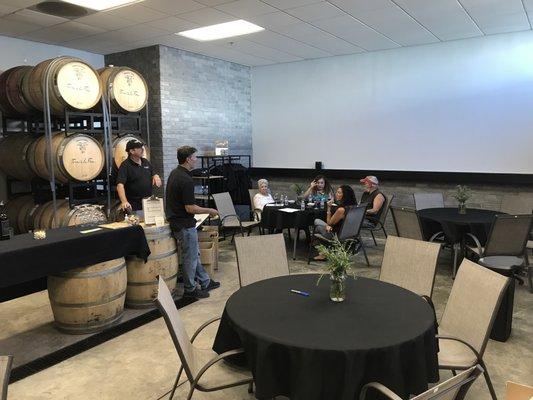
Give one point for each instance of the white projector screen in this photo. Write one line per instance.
(461, 106)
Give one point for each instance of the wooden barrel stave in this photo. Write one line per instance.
(79, 215)
(127, 89)
(88, 299)
(15, 152)
(163, 261)
(20, 211)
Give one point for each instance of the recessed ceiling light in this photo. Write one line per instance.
(100, 5)
(221, 31)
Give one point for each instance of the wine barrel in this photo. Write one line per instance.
(12, 100)
(20, 211)
(76, 157)
(73, 84)
(14, 156)
(126, 87)
(89, 299)
(163, 260)
(78, 215)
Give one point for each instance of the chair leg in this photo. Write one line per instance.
(384, 232)
(364, 252)
(530, 277)
(189, 396)
(455, 256)
(309, 252)
(251, 387)
(176, 383)
(373, 237)
(289, 233)
(296, 237)
(453, 372)
(487, 379)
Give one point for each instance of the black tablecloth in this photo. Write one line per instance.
(23, 258)
(455, 225)
(273, 218)
(311, 348)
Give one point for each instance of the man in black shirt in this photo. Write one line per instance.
(135, 178)
(180, 209)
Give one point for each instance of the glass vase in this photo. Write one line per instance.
(337, 292)
(462, 208)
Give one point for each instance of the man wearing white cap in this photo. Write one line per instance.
(373, 198)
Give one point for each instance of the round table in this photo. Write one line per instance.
(311, 348)
(272, 218)
(455, 225)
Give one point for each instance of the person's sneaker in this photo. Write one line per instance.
(196, 294)
(212, 285)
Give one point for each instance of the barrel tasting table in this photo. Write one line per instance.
(26, 262)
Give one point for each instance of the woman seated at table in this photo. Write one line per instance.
(319, 189)
(262, 198)
(344, 198)
(373, 198)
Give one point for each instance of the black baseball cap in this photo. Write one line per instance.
(134, 144)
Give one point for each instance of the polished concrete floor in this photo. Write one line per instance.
(142, 363)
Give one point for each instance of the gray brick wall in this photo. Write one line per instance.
(483, 196)
(194, 100)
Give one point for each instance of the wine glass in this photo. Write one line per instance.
(276, 197)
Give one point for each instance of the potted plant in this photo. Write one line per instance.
(462, 195)
(338, 265)
(298, 189)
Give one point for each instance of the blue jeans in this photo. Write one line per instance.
(190, 252)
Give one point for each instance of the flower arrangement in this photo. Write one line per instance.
(462, 195)
(338, 265)
(298, 189)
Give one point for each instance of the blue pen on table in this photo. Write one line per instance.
(300, 292)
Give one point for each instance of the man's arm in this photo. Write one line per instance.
(376, 206)
(124, 204)
(194, 209)
(156, 180)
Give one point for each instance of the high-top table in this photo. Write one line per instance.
(311, 348)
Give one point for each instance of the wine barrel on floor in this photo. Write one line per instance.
(12, 99)
(84, 214)
(126, 88)
(15, 154)
(89, 299)
(21, 211)
(163, 261)
(73, 84)
(76, 157)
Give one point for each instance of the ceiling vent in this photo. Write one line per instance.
(61, 9)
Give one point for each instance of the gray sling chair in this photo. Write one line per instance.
(454, 388)
(408, 225)
(410, 264)
(428, 200)
(203, 367)
(261, 257)
(468, 318)
(5, 371)
(228, 216)
(349, 233)
(506, 244)
(379, 224)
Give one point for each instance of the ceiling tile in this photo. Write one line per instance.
(137, 13)
(106, 21)
(135, 33)
(351, 30)
(274, 20)
(19, 3)
(7, 9)
(258, 50)
(213, 2)
(90, 44)
(207, 16)
(236, 56)
(496, 16)
(286, 4)
(63, 32)
(286, 44)
(314, 12)
(446, 19)
(172, 24)
(36, 18)
(173, 7)
(15, 28)
(315, 37)
(246, 8)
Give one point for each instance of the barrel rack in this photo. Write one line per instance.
(102, 123)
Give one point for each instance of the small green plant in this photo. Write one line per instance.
(298, 189)
(462, 193)
(338, 258)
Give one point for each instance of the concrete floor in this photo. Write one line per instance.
(142, 363)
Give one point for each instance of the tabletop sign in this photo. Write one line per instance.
(152, 208)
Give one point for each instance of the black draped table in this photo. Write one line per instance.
(24, 260)
(312, 348)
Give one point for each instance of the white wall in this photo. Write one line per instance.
(464, 106)
(15, 52)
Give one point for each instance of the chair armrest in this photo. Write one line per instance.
(430, 302)
(436, 236)
(230, 215)
(204, 325)
(380, 388)
(257, 214)
(214, 360)
(446, 337)
(477, 242)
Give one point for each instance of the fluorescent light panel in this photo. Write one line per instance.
(100, 5)
(221, 31)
